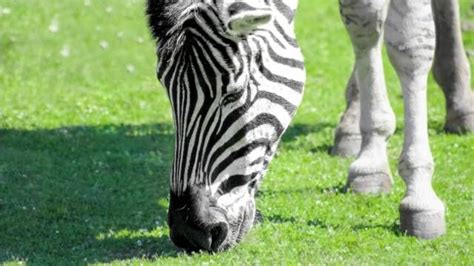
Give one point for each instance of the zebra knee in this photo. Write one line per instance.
(364, 20)
(410, 37)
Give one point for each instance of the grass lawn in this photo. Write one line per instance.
(86, 141)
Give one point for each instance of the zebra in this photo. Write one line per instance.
(450, 69)
(235, 75)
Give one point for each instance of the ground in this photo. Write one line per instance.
(86, 140)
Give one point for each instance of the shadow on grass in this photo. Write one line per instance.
(88, 193)
(394, 227)
(338, 189)
(84, 194)
(318, 223)
(279, 219)
(298, 130)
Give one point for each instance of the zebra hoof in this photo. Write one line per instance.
(377, 183)
(461, 124)
(346, 145)
(423, 224)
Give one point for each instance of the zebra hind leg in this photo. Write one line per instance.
(451, 68)
(364, 20)
(410, 38)
(347, 140)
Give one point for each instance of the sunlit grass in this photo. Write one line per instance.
(86, 140)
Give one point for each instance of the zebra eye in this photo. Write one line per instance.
(232, 96)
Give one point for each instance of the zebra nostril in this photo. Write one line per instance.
(196, 223)
(191, 239)
(218, 235)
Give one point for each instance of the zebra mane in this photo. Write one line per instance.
(163, 15)
(165, 19)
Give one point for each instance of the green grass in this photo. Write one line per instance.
(86, 142)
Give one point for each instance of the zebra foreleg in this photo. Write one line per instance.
(451, 68)
(364, 20)
(347, 140)
(410, 37)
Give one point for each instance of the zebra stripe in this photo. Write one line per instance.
(232, 98)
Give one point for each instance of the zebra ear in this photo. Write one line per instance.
(245, 17)
(248, 21)
(287, 8)
(291, 4)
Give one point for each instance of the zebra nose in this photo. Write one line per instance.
(246, 17)
(218, 235)
(198, 235)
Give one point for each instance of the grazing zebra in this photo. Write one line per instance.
(235, 75)
(450, 69)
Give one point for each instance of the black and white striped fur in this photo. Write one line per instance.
(235, 76)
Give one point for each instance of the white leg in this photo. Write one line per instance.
(347, 140)
(364, 20)
(410, 38)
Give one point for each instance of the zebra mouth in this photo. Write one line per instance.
(196, 223)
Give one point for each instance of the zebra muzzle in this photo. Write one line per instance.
(195, 224)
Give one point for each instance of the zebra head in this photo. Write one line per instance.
(234, 75)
